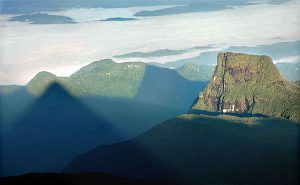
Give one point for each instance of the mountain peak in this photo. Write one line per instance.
(249, 84)
(244, 65)
(100, 64)
(40, 81)
(44, 74)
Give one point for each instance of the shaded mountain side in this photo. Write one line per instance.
(9, 89)
(77, 179)
(249, 84)
(166, 87)
(130, 117)
(194, 149)
(14, 100)
(52, 131)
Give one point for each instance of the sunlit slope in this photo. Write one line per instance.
(134, 80)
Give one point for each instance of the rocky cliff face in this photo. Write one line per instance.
(249, 84)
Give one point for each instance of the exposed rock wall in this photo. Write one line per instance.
(249, 84)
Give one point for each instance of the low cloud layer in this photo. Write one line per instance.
(62, 49)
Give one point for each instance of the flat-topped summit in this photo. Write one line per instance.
(249, 84)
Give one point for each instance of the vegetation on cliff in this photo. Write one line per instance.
(249, 84)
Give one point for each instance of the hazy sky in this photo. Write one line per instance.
(26, 49)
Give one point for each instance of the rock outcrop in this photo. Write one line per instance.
(249, 84)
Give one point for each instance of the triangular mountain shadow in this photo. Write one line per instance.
(167, 87)
(51, 132)
(56, 91)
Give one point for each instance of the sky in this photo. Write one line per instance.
(26, 49)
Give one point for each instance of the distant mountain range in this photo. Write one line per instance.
(42, 18)
(33, 6)
(249, 84)
(120, 19)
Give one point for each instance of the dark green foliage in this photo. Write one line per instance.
(249, 84)
(204, 150)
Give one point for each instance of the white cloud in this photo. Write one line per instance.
(27, 49)
(293, 59)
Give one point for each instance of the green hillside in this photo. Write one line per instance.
(249, 84)
(198, 149)
(100, 78)
(109, 79)
(134, 80)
